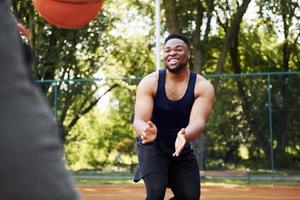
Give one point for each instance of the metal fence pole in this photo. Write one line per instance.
(55, 99)
(270, 123)
(157, 33)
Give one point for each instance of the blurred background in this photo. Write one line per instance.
(248, 49)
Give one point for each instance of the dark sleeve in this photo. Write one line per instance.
(30, 59)
(31, 156)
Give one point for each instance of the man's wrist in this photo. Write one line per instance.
(185, 135)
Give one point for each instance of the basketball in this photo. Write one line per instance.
(68, 14)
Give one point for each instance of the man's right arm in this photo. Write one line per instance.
(144, 104)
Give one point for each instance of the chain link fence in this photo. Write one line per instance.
(254, 125)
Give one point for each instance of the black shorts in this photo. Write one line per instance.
(156, 157)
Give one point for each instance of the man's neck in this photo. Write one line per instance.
(180, 76)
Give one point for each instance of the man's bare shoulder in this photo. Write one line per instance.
(204, 87)
(151, 78)
(149, 83)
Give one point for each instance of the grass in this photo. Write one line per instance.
(103, 178)
(291, 183)
(126, 179)
(104, 181)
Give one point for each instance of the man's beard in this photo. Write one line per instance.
(177, 69)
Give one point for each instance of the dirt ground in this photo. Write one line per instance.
(208, 192)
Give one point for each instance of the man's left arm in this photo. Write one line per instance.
(201, 110)
(205, 95)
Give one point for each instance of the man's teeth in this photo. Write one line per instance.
(173, 61)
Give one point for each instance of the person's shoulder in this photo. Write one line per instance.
(204, 86)
(150, 78)
(149, 82)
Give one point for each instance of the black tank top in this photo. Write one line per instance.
(170, 116)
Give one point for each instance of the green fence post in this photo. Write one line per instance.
(270, 124)
(55, 98)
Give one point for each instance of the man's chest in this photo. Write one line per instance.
(175, 91)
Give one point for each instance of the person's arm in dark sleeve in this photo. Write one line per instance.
(31, 157)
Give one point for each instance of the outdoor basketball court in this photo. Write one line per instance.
(209, 192)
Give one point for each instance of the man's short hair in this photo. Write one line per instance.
(178, 36)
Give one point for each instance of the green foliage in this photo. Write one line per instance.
(89, 147)
(127, 56)
(119, 44)
(68, 54)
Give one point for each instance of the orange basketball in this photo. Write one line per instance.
(69, 14)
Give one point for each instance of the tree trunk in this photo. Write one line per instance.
(196, 39)
(246, 104)
(199, 150)
(199, 49)
(285, 115)
(233, 29)
(171, 16)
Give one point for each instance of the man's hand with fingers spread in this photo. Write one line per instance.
(149, 133)
(179, 143)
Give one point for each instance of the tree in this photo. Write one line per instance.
(232, 31)
(131, 55)
(199, 36)
(286, 17)
(68, 54)
(212, 26)
(119, 45)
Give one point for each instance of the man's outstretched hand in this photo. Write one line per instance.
(179, 143)
(149, 133)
